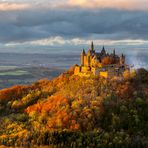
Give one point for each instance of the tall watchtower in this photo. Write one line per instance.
(82, 57)
(122, 59)
(92, 46)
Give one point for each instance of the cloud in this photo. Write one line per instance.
(118, 4)
(83, 4)
(95, 4)
(80, 41)
(36, 24)
(13, 6)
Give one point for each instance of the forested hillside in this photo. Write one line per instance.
(73, 111)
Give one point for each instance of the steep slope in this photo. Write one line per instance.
(112, 112)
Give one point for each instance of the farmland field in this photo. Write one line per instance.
(10, 76)
(14, 73)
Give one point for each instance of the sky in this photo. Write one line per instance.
(30, 25)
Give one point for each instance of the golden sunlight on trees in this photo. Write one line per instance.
(126, 74)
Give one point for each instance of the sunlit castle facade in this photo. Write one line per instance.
(100, 63)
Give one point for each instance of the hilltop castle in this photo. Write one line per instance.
(100, 63)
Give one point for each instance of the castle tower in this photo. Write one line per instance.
(92, 46)
(114, 52)
(89, 57)
(122, 59)
(82, 57)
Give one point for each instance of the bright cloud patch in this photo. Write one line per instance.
(13, 6)
(80, 41)
(118, 4)
(91, 4)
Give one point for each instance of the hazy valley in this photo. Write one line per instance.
(21, 68)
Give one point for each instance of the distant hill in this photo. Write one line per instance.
(73, 111)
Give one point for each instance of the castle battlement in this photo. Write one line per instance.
(100, 63)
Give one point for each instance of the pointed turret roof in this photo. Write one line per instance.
(92, 46)
(122, 55)
(83, 51)
(114, 52)
(103, 50)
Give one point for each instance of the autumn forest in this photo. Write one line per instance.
(73, 111)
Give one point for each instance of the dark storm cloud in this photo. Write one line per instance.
(28, 25)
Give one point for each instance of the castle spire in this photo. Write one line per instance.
(92, 46)
(103, 50)
(82, 57)
(83, 52)
(114, 52)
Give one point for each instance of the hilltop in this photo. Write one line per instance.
(77, 111)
